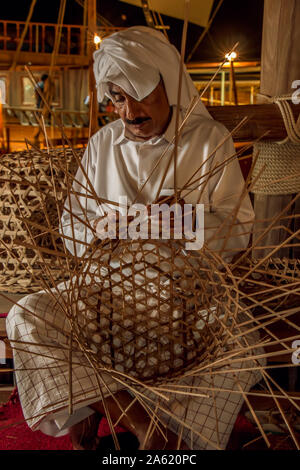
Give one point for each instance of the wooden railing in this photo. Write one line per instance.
(28, 116)
(40, 37)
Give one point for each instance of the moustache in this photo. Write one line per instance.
(138, 120)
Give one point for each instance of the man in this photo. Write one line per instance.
(137, 69)
(41, 87)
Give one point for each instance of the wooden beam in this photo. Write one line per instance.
(262, 118)
(41, 59)
(215, 65)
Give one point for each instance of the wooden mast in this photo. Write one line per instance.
(92, 14)
(280, 67)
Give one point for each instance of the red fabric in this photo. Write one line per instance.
(16, 435)
(246, 436)
(242, 424)
(3, 315)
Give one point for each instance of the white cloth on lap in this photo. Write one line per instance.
(43, 380)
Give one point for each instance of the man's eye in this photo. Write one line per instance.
(119, 99)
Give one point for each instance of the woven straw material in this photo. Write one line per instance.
(148, 310)
(29, 189)
(176, 328)
(280, 273)
(276, 162)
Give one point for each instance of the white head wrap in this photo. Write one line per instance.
(135, 59)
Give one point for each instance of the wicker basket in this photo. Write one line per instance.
(28, 192)
(148, 310)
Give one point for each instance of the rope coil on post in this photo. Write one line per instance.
(279, 162)
(280, 166)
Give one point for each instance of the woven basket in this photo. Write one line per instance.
(148, 310)
(27, 191)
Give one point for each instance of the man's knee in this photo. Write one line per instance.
(16, 314)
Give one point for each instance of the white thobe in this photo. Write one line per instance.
(117, 166)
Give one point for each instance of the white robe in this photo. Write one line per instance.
(117, 166)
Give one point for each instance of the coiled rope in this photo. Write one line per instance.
(279, 162)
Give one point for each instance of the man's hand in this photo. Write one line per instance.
(109, 225)
(174, 217)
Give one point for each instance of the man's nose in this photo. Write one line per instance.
(132, 108)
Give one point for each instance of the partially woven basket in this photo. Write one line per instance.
(31, 188)
(149, 310)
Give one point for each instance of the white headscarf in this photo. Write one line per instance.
(135, 59)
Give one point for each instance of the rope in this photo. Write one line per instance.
(279, 162)
(279, 166)
(292, 128)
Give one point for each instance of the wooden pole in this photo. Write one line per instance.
(252, 95)
(91, 48)
(37, 38)
(280, 67)
(233, 82)
(147, 13)
(83, 30)
(223, 87)
(58, 30)
(204, 31)
(280, 58)
(211, 96)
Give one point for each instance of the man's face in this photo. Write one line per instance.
(146, 118)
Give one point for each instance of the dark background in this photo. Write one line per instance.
(237, 20)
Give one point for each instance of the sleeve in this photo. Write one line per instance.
(80, 210)
(229, 218)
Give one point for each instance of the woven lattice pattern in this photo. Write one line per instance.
(149, 310)
(30, 186)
